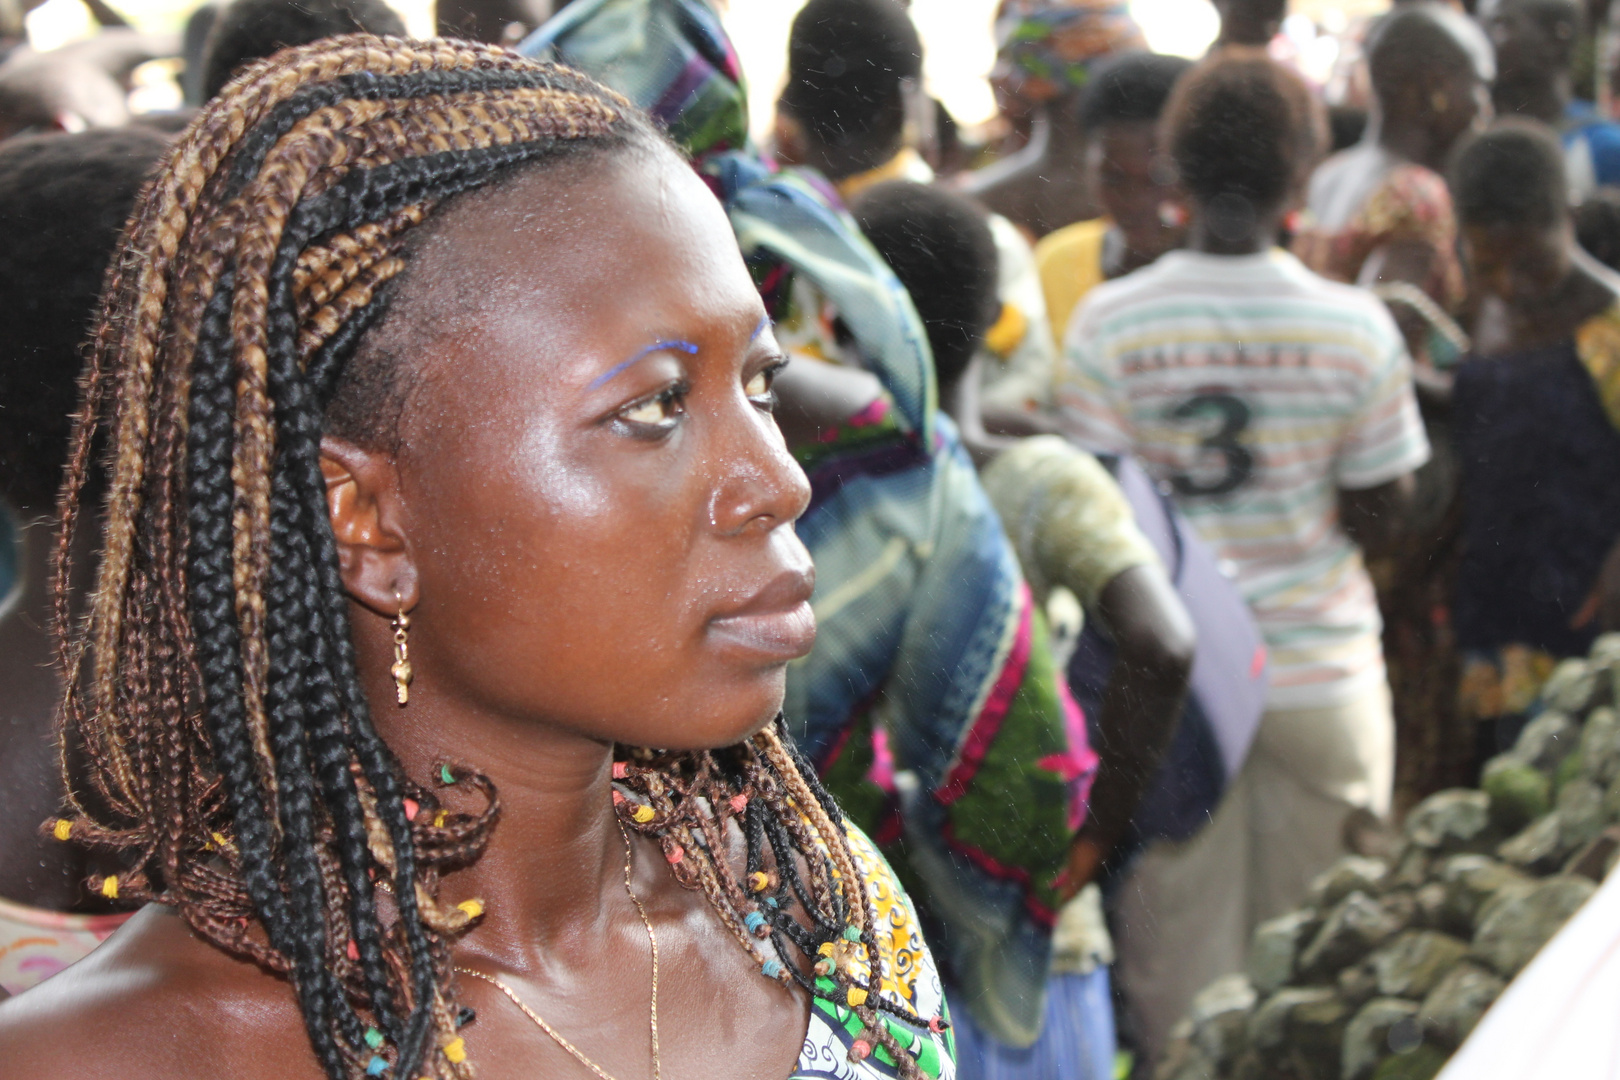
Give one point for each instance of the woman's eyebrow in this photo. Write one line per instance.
(657, 346)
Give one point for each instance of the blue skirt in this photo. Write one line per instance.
(1076, 1043)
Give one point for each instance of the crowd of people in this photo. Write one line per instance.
(474, 522)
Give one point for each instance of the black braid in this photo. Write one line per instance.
(298, 498)
(212, 598)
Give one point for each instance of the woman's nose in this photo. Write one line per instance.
(762, 486)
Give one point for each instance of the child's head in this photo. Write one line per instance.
(1244, 133)
(63, 201)
(854, 68)
(1250, 22)
(940, 247)
(1127, 172)
(1510, 194)
(1597, 227)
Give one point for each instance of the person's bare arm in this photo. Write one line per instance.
(1017, 423)
(1603, 605)
(1409, 262)
(1375, 517)
(814, 397)
(1155, 641)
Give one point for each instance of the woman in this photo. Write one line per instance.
(431, 507)
(1537, 413)
(1045, 49)
(1380, 215)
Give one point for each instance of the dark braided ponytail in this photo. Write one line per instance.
(213, 687)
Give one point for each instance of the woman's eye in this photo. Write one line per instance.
(655, 411)
(758, 388)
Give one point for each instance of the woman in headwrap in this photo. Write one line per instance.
(1045, 49)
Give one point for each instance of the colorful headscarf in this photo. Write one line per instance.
(930, 656)
(1045, 48)
(671, 57)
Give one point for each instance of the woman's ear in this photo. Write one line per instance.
(367, 512)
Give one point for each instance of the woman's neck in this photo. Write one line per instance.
(1410, 141)
(1227, 235)
(1588, 290)
(553, 869)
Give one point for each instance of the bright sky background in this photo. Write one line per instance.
(956, 36)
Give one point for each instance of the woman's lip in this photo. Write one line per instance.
(782, 635)
(776, 621)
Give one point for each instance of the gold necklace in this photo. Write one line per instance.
(556, 1035)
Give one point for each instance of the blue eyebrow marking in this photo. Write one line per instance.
(657, 346)
(760, 329)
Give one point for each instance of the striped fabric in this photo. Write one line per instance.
(1256, 389)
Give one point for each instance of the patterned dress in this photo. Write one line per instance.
(911, 981)
(1539, 436)
(35, 944)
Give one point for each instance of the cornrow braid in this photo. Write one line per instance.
(212, 684)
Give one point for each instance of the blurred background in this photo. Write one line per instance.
(956, 35)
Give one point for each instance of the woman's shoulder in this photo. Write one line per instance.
(154, 1001)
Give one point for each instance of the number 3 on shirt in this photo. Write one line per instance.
(1233, 415)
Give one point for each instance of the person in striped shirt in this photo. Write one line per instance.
(1278, 407)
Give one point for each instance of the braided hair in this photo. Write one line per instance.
(212, 685)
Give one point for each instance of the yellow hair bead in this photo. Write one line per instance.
(759, 880)
(438, 819)
(643, 814)
(456, 1051)
(473, 908)
(219, 838)
(856, 996)
(826, 949)
(63, 829)
(109, 886)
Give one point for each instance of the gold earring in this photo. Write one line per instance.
(402, 659)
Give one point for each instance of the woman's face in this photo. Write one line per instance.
(597, 504)
(1133, 181)
(1459, 104)
(1521, 265)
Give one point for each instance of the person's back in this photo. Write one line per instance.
(1256, 389)
(1278, 408)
